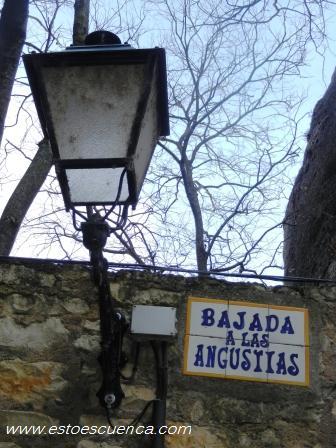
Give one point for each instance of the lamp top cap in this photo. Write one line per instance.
(101, 41)
(102, 37)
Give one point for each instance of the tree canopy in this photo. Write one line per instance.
(214, 191)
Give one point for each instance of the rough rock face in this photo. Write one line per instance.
(49, 375)
(310, 220)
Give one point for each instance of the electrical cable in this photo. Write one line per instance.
(135, 365)
(121, 180)
(141, 414)
(164, 370)
(162, 269)
(108, 417)
(158, 363)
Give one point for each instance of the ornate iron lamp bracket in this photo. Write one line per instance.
(112, 323)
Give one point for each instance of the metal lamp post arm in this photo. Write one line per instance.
(110, 393)
(112, 323)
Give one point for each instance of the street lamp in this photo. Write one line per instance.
(103, 107)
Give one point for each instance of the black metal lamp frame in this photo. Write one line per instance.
(105, 54)
(94, 223)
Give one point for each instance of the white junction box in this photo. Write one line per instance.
(156, 321)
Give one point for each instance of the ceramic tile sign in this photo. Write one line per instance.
(247, 341)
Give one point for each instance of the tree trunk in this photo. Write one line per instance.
(191, 192)
(81, 21)
(31, 182)
(22, 197)
(13, 25)
(310, 221)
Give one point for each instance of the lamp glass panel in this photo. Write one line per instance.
(148, 137)
(93, 108)
(97, 185)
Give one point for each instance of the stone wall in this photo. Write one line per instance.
(49, 342)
